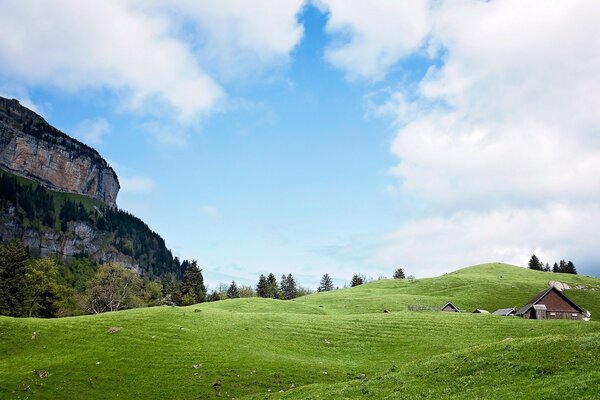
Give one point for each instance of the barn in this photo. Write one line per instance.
(505, 312)
(449, 307)
(551, 303)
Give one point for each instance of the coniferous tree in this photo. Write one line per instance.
(193, 283)
(288, 287)
(534, 263)
(547, 268)
(555, 268)
(570, 269)
(233, 292)
(262, 289)
(171, 290)
(562, 266)
(214, 296)
(357, 279)
(13, 270)
(399, 274)
(272, 289)
(326, 284)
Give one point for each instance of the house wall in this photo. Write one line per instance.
(556, 308)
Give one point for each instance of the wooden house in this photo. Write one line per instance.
(450, 308)
(551, 303)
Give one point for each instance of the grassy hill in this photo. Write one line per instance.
(326, 345)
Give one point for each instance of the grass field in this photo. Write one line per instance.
(327, 345)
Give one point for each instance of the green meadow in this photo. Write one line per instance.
(331, 345)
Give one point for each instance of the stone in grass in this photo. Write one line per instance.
(34, 336)
(196, 366)
(40, 374)
(217, 386)
(114, 329)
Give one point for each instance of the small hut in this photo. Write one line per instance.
(551, 303)
(449, 307)
(480, 311)
(505, 312)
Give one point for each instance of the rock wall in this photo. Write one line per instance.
(79, 238)
(30, 147)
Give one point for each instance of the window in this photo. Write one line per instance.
(573, 315)
(553, 314)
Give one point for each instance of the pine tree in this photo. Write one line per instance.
(399, 274)
(233, 292)
(288, 287)
(326, 284)
(13, 270)
(570, 269)
(193, 283)
(283, 286)
(534, 263)
(547, 268)
(555, 268)
(357, 279)
(272, 289)
(562, 266)
(171, 290)
(214, 296)
(262, 289)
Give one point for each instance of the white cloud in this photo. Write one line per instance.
(502, 129)
(159, 59)
(373, 35)
(436, 245)
(137, 184)
(92, 131)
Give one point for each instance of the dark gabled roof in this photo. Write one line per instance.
(538, 297)
(480, 311)
(504, 311)
(451, 305)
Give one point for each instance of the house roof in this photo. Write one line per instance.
(504, 311)
(451, 305)
(538, 297)
(481, 311)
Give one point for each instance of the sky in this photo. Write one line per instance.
(330, 136)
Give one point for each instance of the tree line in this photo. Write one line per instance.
(565, 267)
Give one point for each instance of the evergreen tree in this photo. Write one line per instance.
(233, 292)
(570, 269)
(262, 289)
(288, 287)
(357, 279)
(562, 266)
(555, 268)
(171, 290)
(283, 286)
(535, 264)
(326, 284)
(193, 283)
(547, 268)
(13, 270)
(399, 274)
(214, 296)
(272, 290)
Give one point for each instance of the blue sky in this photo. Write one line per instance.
(330, 136)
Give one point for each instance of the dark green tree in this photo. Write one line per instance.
(562, 266)
(272, 289)
(535, 264)
(262, 288)
(399, 274)
(288, 287)
(326, 284)
(233, 292)
(555, 268)
(357, 279)
(214, 296)
(171, 290)
(13, 279)
(570, 269)
(193, 283)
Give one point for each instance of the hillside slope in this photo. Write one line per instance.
(487, 286)
(256, 348)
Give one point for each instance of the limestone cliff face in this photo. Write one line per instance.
(30, 147)
(79, 238)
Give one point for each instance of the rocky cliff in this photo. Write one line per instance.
(30, 147)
